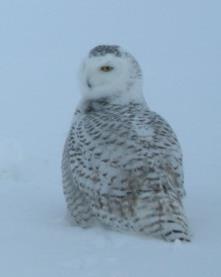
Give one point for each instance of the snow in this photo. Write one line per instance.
(42, 44)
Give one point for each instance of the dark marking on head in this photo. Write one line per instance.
(102, 50)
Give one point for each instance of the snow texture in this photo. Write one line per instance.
(42, 44)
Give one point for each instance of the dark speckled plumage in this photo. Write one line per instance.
(102, 50)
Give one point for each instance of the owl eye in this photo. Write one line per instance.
(106, 68)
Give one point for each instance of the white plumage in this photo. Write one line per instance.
(122, 163)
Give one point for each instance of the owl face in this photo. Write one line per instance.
(109, 71)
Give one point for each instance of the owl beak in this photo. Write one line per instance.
(89, 83)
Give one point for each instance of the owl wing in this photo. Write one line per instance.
(77, 201)
(145, 149)
(169, 161)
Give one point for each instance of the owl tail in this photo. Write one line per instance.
(166, 219)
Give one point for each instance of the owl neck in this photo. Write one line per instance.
(105, 104)
(112, 100)
(133, 93)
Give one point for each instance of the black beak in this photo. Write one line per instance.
(89, 84)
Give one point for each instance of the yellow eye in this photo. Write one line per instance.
(106, 68)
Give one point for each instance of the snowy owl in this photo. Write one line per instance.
(122, 162)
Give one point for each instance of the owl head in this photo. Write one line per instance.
(110, 71)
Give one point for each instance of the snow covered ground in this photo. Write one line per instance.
(178, 45)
